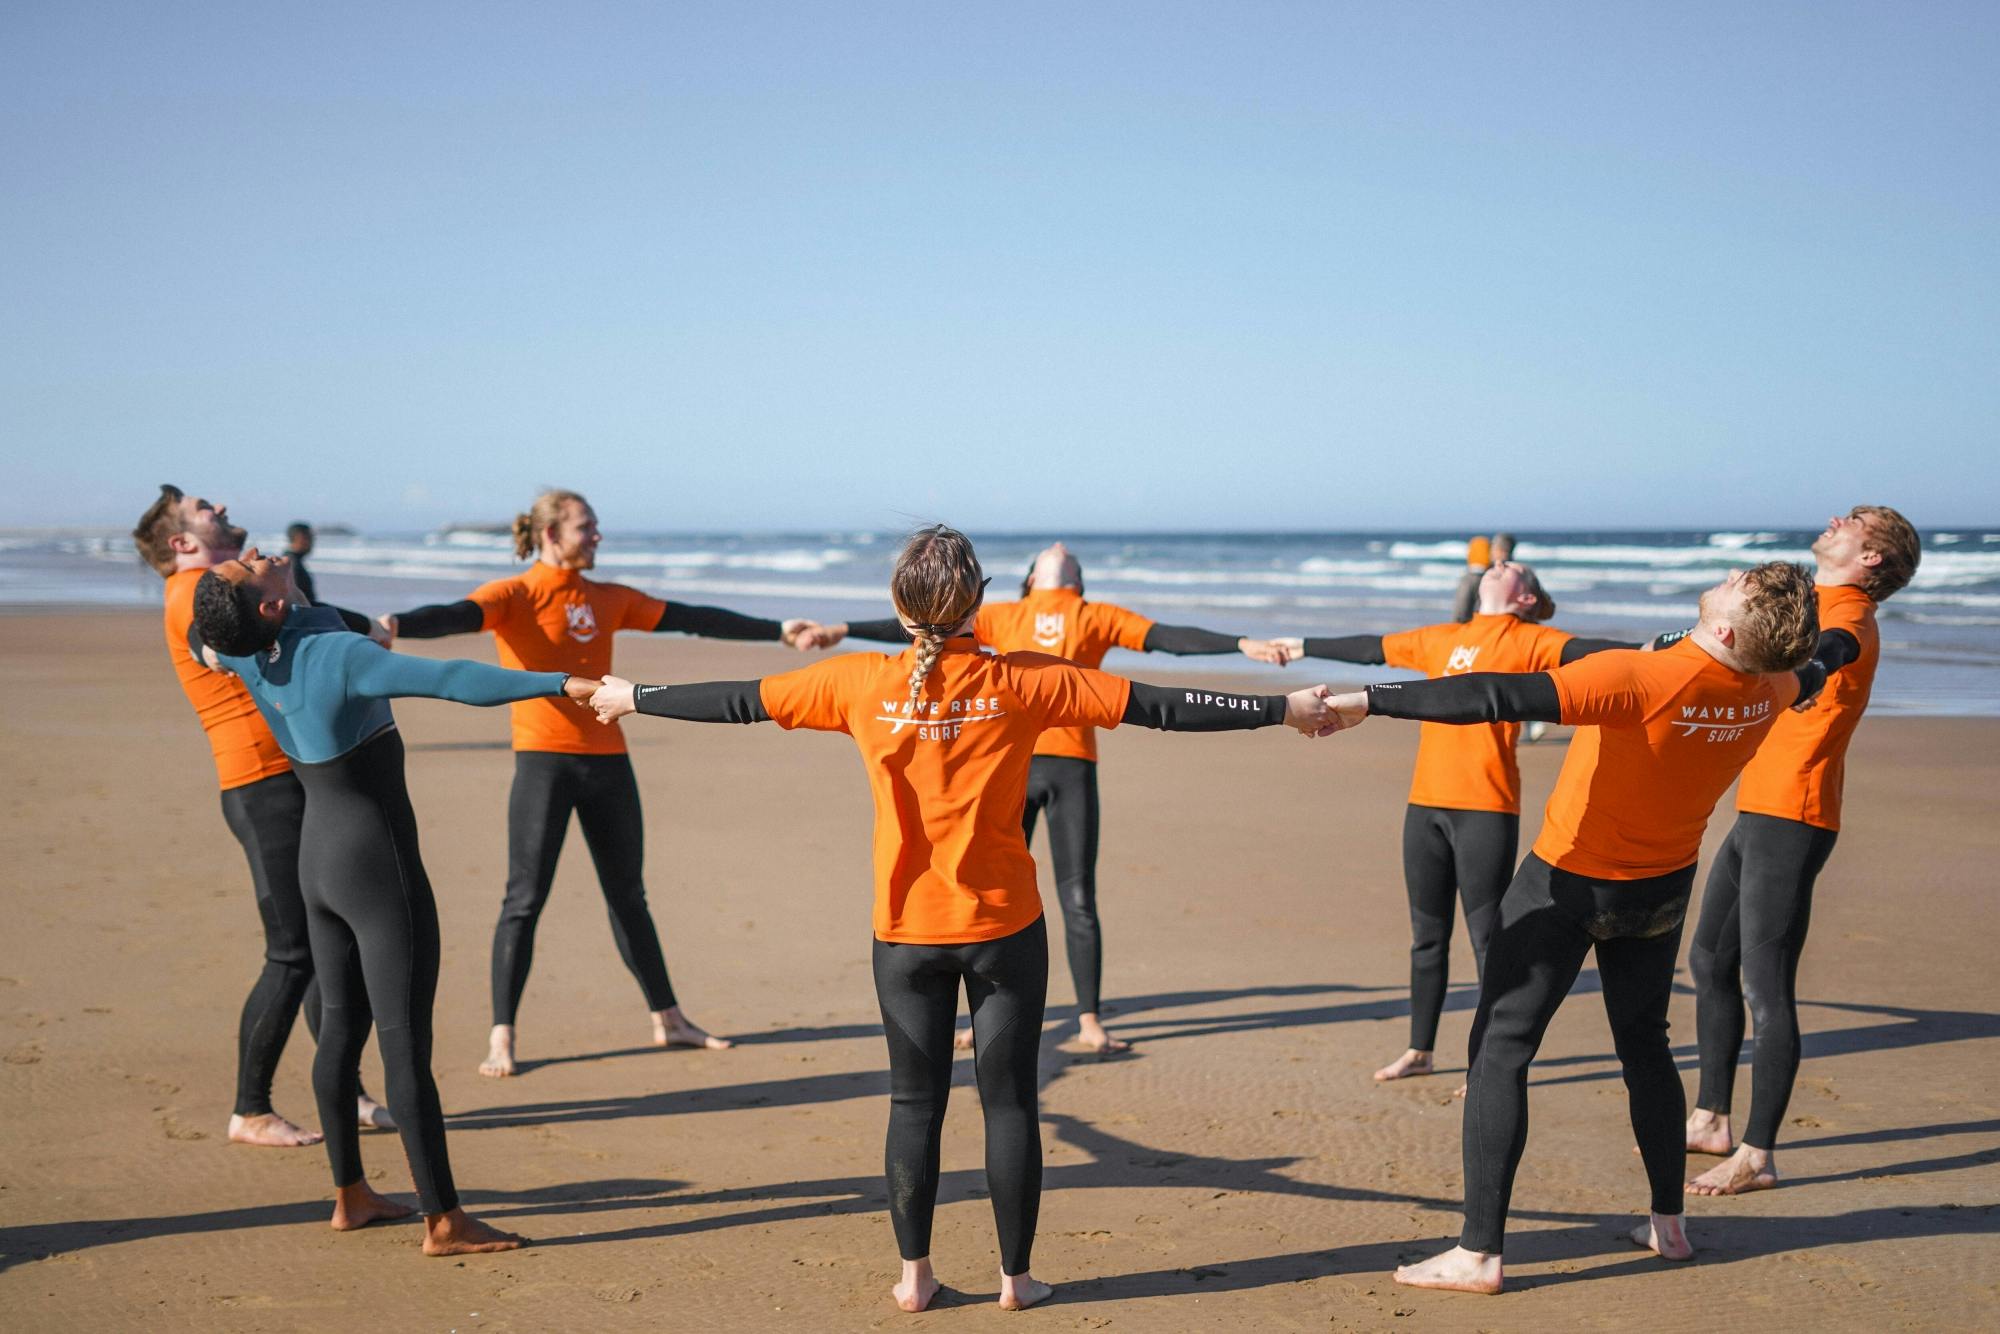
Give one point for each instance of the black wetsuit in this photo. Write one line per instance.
(1450, 856)
(1063, 789)
(603, 793)
(1006, 985)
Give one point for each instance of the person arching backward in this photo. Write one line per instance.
(947, 731)
(1053, 617)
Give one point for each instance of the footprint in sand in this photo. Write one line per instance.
(28, 1053)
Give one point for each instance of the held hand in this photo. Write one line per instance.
(1293, 645)
(1273, 651)
(1348, 710)
(579, 689)
(824, 636)
(383, 630)
(1305, 711)
(799, 633)
(613, 699)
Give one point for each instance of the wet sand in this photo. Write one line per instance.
(1238, 1170)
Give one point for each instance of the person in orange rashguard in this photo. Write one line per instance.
(1661, 735)
(1462, 827)
(555, 618)
(947, 732)
(1758, 902)
(1053, 617)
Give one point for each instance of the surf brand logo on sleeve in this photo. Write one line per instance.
(1723, 722)
(582, 621)
(1049, 628)
(1462, 658)
(938, 719)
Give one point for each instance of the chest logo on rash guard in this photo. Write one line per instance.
(936, 719)
(1048, 628)
(582, 622)
(1462, 658)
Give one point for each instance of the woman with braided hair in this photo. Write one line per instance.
(946, 731)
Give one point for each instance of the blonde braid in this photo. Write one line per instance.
(936, 584)
(928, 647)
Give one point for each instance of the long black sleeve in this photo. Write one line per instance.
(353, 620)
(1365, 649)
(440, 619)
(716, 623)
(1185, 639)
(1183, 709)
(1583, 648)
(704, 702)
(1475, 697)
(888, 631)
(1836, 648)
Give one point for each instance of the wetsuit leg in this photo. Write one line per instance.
(265, 816)
(917, 988)
(538, 810)
(1484, 848)
(1715, 957)
(1007, 983)
(1638, 978)
(1781, 860)
(614, 829)
(1068, 790)
(363, 866)
(1430, 881)
(344, 1023)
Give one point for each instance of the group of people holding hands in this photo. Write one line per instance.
(979, 723)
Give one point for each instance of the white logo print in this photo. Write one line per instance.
(938, 720)
(1461, 660)
(1722, 722)
(582, 622)
(1048, 628)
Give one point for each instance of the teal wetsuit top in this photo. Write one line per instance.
(324, 689)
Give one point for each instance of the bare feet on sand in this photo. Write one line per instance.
(1708, 1132)
(1457, 1270)
(1662, 1234)
(1020, 1291)
(1745, 1170)
(918, 1285)
(270, 1131)
(962, 1040)
(671, 1028)
(358, 1205)
(459, 1233)
(1091, 1036)
(1411, 1062)
(372, 1115)
(499, 1062)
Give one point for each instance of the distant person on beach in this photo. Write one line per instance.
(370, 913)
(1661, 736)
(299, 543)
(1462, 827)
(1758, 903)
(1052, 617)
(181, 536)
(553, 618)
(947, 731)
(1480, 555)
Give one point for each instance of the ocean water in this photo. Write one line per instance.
(1941, 635)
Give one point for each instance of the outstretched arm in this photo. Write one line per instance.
(375, 673)
(1364, 649)
(1183, 640)
(1474, 697)
(886, 631)
(720, 623)
(1836, 648)
(437, 620)
(1188, 709)
(702, 702)
(1579, 647)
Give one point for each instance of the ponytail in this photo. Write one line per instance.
(936, 584)
(529, 527)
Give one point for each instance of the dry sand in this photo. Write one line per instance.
(1238, 1170)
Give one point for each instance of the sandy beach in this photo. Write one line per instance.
(1237, 1170)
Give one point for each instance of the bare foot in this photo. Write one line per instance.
(1457, 1270)
(270, 1131)
(1459, 1092)
(358, 1205)
(1745, 1170)
(918, 1285)
(1708, 1132)
(499, 1062)
(1090, 1033)
(1663, 1235)
(1020, 1291)
(1411, 1062)
(372, 1115)
(671, 1028)
(459, 1233)
(962, 1040)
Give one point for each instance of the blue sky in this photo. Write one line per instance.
(1015, 266)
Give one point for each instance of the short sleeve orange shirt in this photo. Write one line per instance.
(1662, 737)
(551, 620)
(1472, 768)
(1057, 621)
(1798, 773)
(949, 775)
(245, 750)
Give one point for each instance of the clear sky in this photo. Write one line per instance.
(1017, 266)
